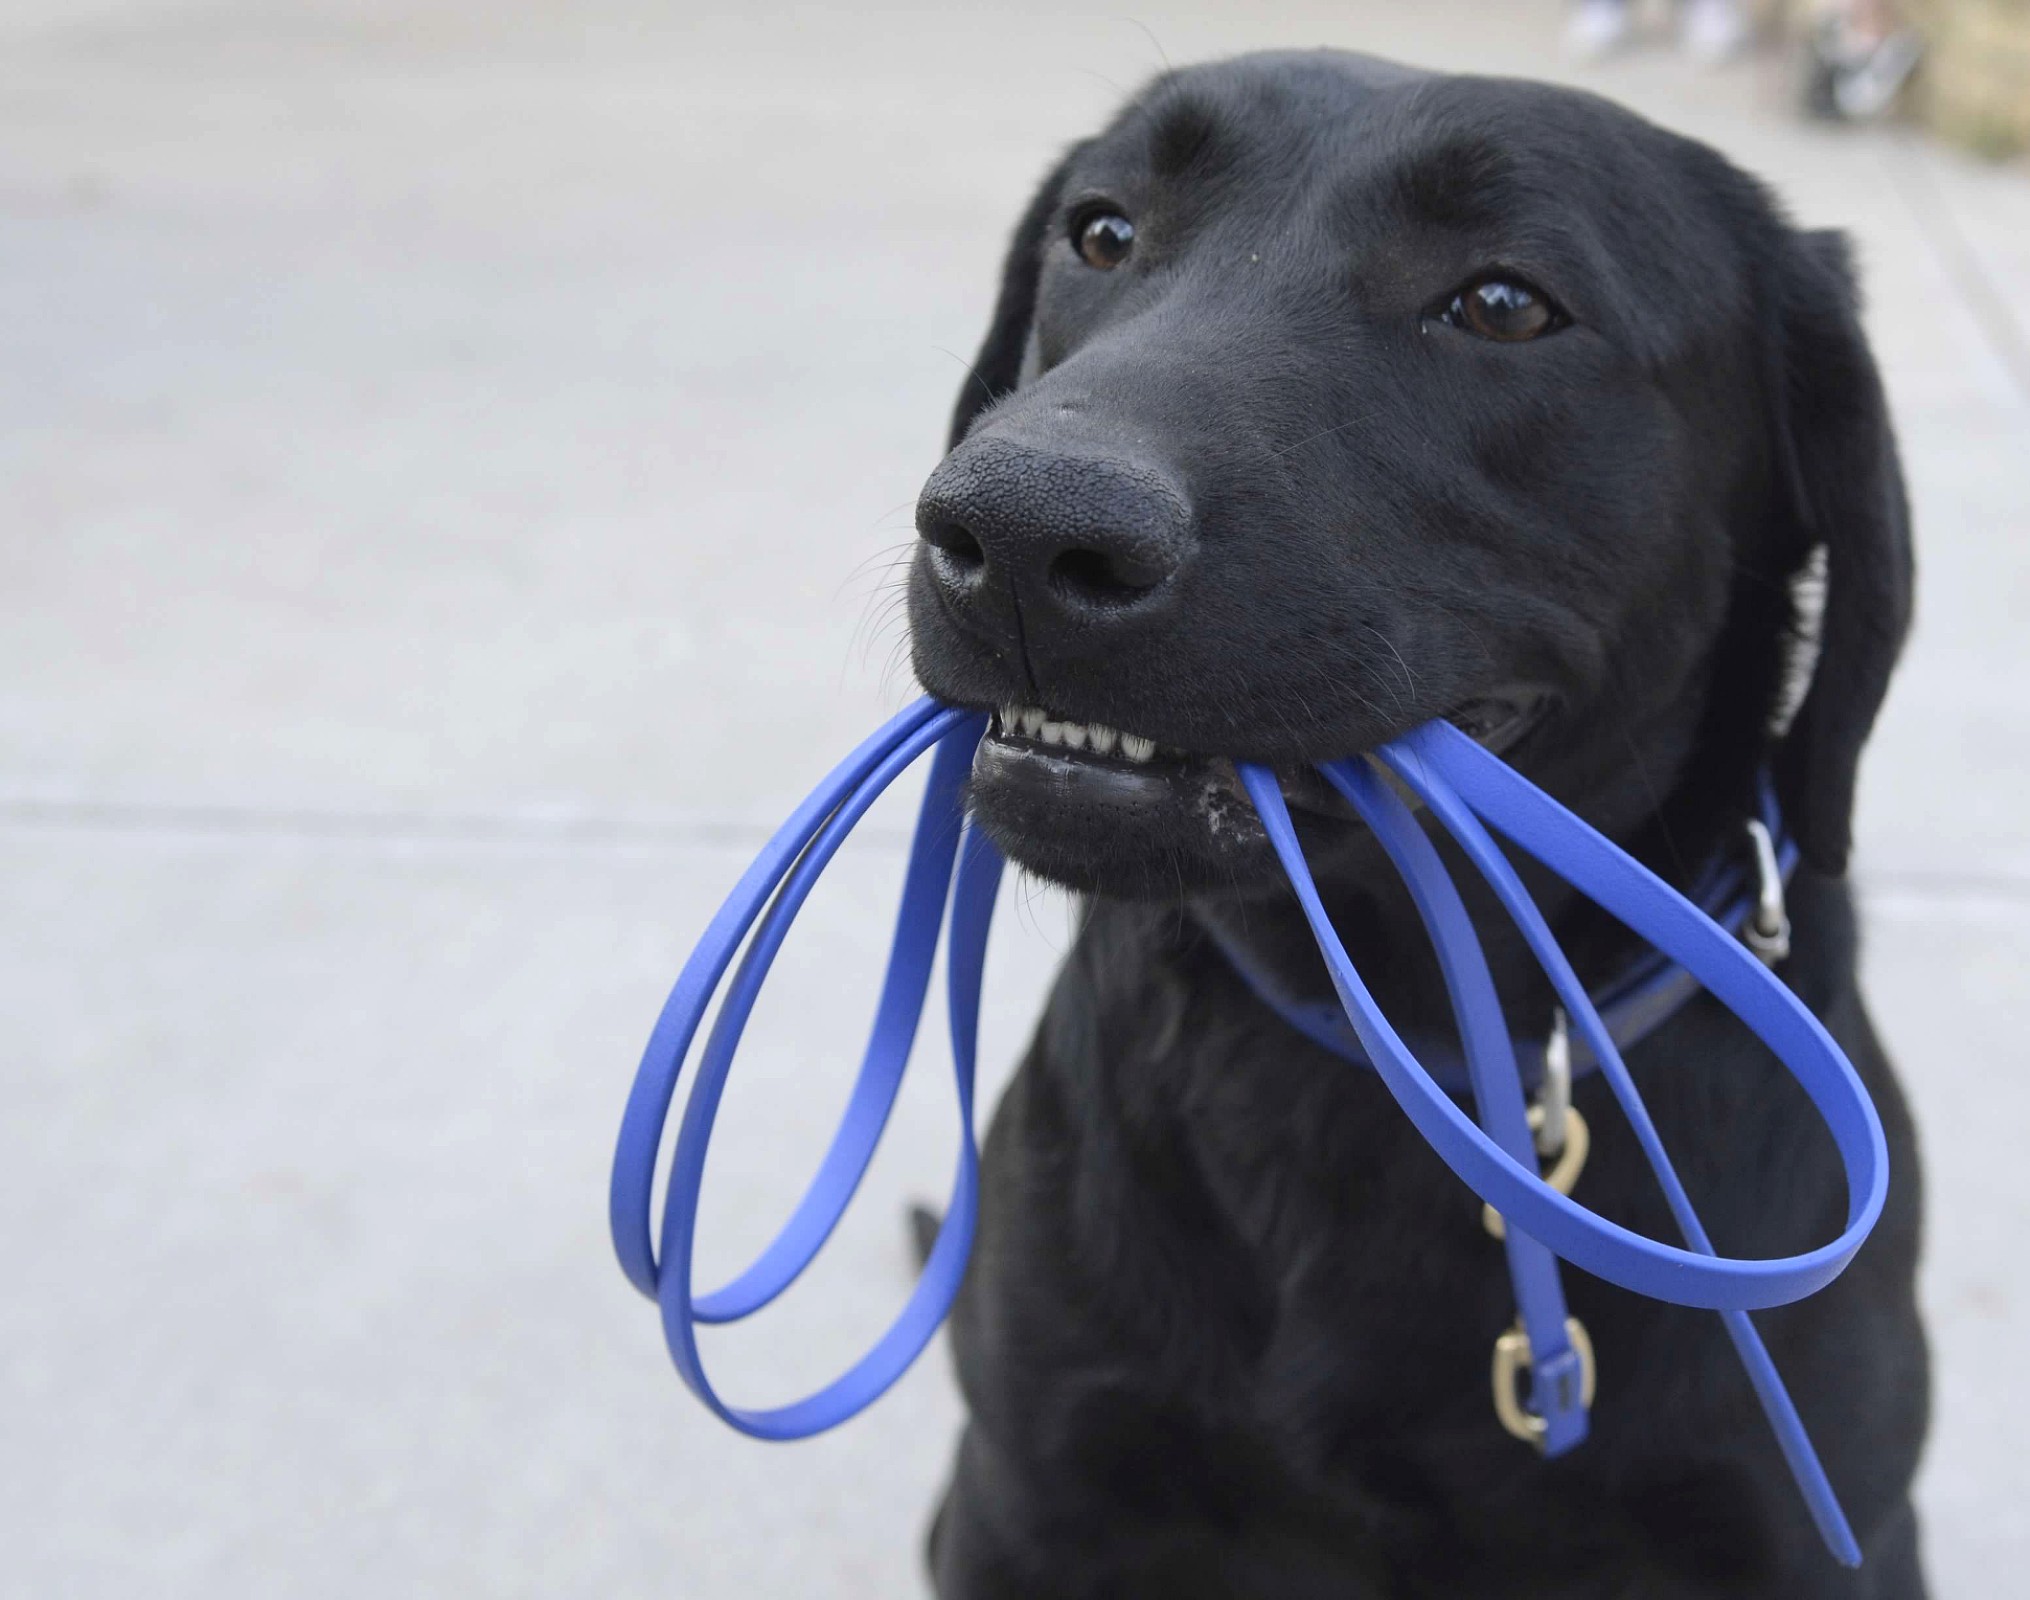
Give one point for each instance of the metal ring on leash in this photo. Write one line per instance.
(1563, 1173)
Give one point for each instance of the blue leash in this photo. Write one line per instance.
(949, 887)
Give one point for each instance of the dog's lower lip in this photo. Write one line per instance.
(1496, 722)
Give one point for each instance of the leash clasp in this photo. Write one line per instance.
(1512, 1359)
(1555, 1124)
(1767, 930)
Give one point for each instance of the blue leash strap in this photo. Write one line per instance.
(1557, 1379)
(949, 888)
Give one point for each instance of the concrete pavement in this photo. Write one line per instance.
(453, 457)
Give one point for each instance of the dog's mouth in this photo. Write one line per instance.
(1082, 801)
(1032, 744)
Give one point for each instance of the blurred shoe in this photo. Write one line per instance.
(1713, 31)
(1851, 77)
(1864, 88)
(1598, 28)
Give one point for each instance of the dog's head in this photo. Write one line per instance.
(1324, 397)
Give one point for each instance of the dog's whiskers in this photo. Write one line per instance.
(986, 388)
(1322, 433)
(1403, 703)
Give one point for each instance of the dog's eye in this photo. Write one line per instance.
(1103, 238)
(1503, 309)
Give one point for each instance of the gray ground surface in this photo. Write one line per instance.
(451, 453)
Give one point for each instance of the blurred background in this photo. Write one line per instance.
(456, 456)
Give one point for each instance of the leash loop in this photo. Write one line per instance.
(770, 894)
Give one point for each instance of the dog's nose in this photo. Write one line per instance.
(1048, 548)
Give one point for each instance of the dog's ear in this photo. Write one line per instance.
(1837, 455)
(998, 367)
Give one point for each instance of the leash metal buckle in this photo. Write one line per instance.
(1555, 1124)
(1767, 930)
(1512, 1360)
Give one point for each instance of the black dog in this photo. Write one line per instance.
(1322, 398)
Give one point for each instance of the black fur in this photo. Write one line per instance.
(1227, 1327)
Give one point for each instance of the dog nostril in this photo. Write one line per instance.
(1099, 577)
(960, 549)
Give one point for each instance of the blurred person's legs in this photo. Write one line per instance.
(1862, 53)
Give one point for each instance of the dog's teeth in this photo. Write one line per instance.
(1032, 722)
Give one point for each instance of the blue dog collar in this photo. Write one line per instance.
(1745, 898)
(951, 878)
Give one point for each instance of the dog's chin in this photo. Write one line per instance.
(1103, 812)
